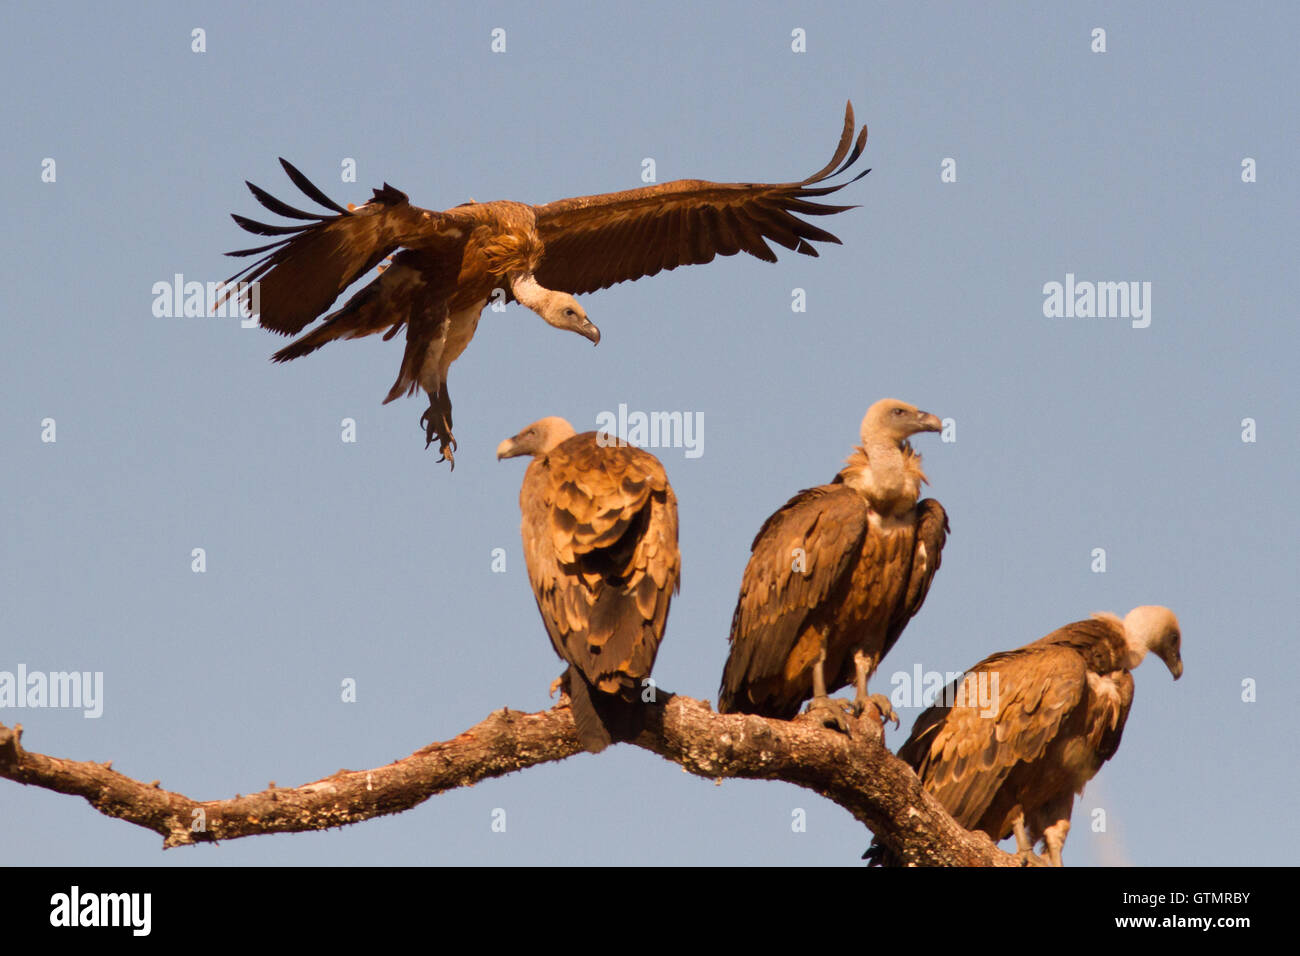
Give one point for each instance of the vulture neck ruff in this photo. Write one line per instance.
(887, 473)
(1134, 643)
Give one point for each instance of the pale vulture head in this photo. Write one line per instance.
(1154, 628)
(564, 312)
(558, 309)
(893, 422)
(537, 439)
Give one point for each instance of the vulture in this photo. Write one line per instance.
(452, 263)
(1052, 714)
(600, 542)
(835, 575)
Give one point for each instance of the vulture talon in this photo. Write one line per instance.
(436, 429)
(832, 712)
(884, 707)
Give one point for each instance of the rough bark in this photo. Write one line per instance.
(855, 771)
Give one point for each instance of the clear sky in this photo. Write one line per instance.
(328, 560)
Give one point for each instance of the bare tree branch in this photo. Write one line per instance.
(857, 772)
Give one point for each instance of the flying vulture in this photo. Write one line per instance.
(600, 541)
(834, 577)
(452, 263)
(1030, 727)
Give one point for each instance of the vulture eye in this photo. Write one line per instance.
(898, 411)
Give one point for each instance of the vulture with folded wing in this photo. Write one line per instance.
(600, 541)
(452, 263)
(1013, 740)
(834, 577)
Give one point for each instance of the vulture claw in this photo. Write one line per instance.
(883, 706)
(437, 429)
(832, 712)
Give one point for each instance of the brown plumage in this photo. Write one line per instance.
(454, 262)
(600, 541)
(835, 575)
(1052, 713)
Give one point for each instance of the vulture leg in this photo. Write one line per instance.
(832, 711)
(863, 665)
(437, 424)
(1023, 843)
(1054, 836)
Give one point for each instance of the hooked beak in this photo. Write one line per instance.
(507, 448)
(928, 422)
(1176, 668)
(589, 331)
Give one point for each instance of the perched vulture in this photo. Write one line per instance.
(452, 263)
(600, 541)
(835, 576)
(1052, 714)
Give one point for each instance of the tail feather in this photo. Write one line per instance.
(602, 719)
(366, 313)
(408, 374)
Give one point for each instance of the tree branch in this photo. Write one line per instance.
(855, 771)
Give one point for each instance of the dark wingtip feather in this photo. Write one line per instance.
(846, 137)
(310, 189)
(858, 147)
(254, 251)
(279, 207)
(264, 229)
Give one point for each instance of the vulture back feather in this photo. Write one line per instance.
(600, 542)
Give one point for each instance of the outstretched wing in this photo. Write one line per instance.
(300, 275)
(593, 242)
(963, 755)
(600, 536)
(800, 555)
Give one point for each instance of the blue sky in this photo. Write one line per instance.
(329, 560)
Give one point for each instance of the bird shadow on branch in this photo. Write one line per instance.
(855, 771)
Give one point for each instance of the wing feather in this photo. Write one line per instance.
(584, 236)
(963, 757)
(302, 274)
(927, 548)
(799, 557)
